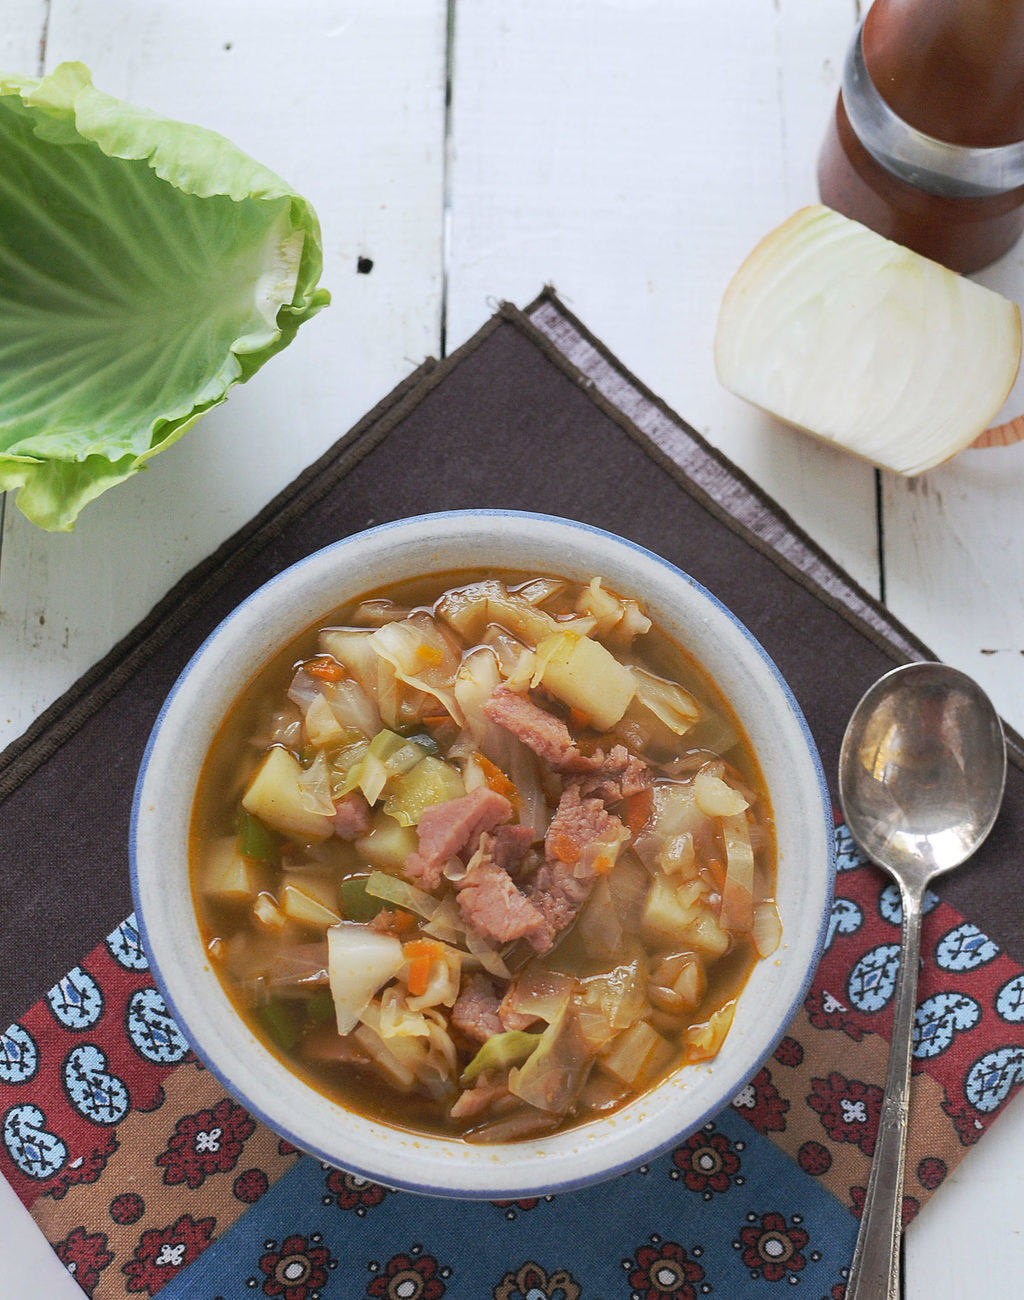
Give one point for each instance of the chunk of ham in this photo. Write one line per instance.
(351, 816)
(611, 778)
(475, 1013)
(545, 734)
(493, 904)
(508, 844)
(616, 777)
(448, 829)
(563, 883)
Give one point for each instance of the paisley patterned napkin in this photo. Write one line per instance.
(147, 1178)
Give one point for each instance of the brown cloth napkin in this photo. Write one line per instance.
(531, 414)
(508, 421)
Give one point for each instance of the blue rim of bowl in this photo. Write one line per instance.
(530, 1190)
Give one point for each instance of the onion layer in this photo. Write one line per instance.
(866, 344)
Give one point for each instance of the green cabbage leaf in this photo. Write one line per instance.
(146, 266)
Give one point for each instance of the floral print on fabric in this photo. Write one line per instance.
(350, 1192)
(707, 1162)
(531, 1282)
(414, 1276)
(297, 1269)
(663, 1270)
(770, 1247)
(826, 1012)
(761, 1104)
(967, 1125)
(85, 1256)
(208, 1142)
(164, 1252)
(849, 1109)
(83, 1169)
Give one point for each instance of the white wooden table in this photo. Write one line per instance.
(630, 152)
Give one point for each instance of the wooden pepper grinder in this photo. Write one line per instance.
(927, 142)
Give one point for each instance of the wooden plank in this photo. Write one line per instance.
(954, 560)
(633, 155)
(955, 550)
(28, 1265)
(291, 87)
(22, 36)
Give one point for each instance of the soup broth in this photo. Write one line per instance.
(484, 856)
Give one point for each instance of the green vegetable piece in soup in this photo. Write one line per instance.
(255, 840)
(499, 1051)
(358, 905)
(511, 884)
(282, 1022)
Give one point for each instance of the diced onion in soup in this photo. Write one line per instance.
(392, 889)
(766, 931)
(303, 690)
(673, 706)
(738, 892)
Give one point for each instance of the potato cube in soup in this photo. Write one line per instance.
(387, 845)
(228, 876)
(639, 1053)
(666, 914)
(583, 674)
(707, 936)
(275, 797)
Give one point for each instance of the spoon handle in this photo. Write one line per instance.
(874, 1274)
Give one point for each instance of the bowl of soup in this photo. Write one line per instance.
(482, 854)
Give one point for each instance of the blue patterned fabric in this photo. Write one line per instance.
(654, 1234)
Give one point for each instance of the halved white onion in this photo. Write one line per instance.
(863, 343)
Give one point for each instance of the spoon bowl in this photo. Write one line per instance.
(921, 774)
(922, 769)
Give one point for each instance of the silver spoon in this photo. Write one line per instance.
(921, 775)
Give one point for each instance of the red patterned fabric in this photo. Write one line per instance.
(108, 1118)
